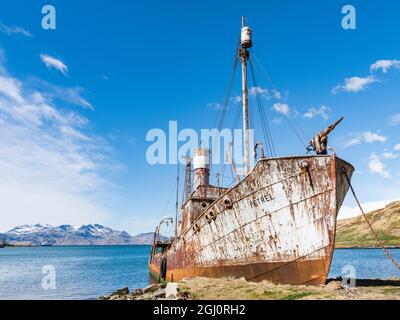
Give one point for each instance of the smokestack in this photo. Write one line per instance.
(201, 167)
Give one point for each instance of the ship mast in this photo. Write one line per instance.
(246, 42)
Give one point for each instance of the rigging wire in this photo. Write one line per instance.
(221, 115)
(235, 123)
(169, 199)
(291, 124)
(264, 121)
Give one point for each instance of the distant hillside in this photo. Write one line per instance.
(355, 232)
(65, 235)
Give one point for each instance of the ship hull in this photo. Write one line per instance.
(277, 224)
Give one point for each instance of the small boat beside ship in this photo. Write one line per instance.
(277, 223)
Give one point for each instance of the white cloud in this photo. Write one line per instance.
(277, 94)
(52, 170)
(354, 84)
(350, 212)
(236, 99)
(51, 92)
(353, 140)
(370, 137)
(385, 65)
(14, 30)
(258, 90)
(366, 137)
(282, 108)
(218, 106)
(11, 88)
(375, 165)
(394, 120)
(214, 105)
(323, 112)
(396, 147)
(265, 93)
(277, 120)
(390, 155)
(52, 62)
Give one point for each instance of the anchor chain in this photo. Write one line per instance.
(382, 245)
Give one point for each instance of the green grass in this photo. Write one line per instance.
(298, 295)
(348, 238)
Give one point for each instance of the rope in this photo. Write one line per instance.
(382, 245)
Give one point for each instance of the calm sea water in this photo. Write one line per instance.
(90, 272)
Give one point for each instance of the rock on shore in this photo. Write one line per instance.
(151, 292)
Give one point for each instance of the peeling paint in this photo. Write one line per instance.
(277, 224)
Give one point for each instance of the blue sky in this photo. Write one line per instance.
(76, 102)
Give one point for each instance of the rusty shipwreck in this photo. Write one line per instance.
(277, 223)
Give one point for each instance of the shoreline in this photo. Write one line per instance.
(201, 288)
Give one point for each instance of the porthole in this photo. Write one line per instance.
(228, 203)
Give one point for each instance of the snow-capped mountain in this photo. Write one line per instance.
(91, 234)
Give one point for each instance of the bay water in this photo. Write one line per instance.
(89, 272)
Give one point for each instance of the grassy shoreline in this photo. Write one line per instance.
(201, 288)
(228, 288)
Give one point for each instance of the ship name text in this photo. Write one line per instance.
(260, 200)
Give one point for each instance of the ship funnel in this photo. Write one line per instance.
(201, 163)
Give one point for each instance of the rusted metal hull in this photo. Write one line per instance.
(277, 224)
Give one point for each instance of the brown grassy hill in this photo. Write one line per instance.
(355, 232)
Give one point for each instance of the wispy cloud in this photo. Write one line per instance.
(52, 167)
(235, 99)
(282, 108)
(11, 88)
(371, 137)
(385, 65)
(376, 166)
(277, 120)
(364, 137)
(71, 95)
(324, 112)
(214, 106)
(9, 30)
(390, 155)
(354, 84)
(52, 62)
(265, 93)
(397, 147)
(394, 120)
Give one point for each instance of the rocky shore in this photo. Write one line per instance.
(238, 288)
(157, 291)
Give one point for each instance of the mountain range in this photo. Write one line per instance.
(65, 235)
